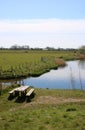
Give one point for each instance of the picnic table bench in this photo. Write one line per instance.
(11, 92)
(30, 92)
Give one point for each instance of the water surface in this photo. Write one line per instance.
(70, 77)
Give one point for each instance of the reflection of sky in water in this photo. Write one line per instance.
(68, 77)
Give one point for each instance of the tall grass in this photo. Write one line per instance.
(15, 64)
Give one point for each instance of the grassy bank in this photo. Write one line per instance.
(66, 117)
(15, 64)
(48, 110)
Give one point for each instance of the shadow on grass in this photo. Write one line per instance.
(0, 92)
(11, 96)
(21, 98)
(29, 98)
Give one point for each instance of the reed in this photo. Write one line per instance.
(60, 62)
(81, 56)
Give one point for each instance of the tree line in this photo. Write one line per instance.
(26, 47)
(82, 49)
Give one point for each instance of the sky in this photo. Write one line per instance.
(42, 23)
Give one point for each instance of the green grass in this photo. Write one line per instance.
(35, 116)
(14, 64)
(45, 118)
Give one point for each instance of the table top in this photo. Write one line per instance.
(22, 88)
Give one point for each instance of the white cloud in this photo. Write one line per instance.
(42, 40)
(43, 26)
(43, 32)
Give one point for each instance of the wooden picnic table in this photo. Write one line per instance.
(20, 90)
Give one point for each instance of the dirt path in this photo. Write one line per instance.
(48, 100)
(55, 100)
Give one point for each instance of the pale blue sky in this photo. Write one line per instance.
(40, 9)
(41, 23)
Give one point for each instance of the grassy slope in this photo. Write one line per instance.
(37, 115)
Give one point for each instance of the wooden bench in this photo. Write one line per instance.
(12, 92)
(30, 92)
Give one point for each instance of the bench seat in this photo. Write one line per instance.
(12, 91)
(30, 92)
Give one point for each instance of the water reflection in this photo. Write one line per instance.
(69, 77)
(81, 64)
(0, 88)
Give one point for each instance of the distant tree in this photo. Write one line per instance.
(82, 49)
(50, 48)
(60, 49)
(25, 47)
(16, 47)
(1, 48)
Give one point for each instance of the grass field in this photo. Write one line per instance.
(15, 64)
(48, 110)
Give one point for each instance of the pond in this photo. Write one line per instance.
(70, 77)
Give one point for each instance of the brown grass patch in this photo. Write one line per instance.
(56, 100)
(60, 62)
(81, 56)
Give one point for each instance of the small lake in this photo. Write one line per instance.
(70, 77)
